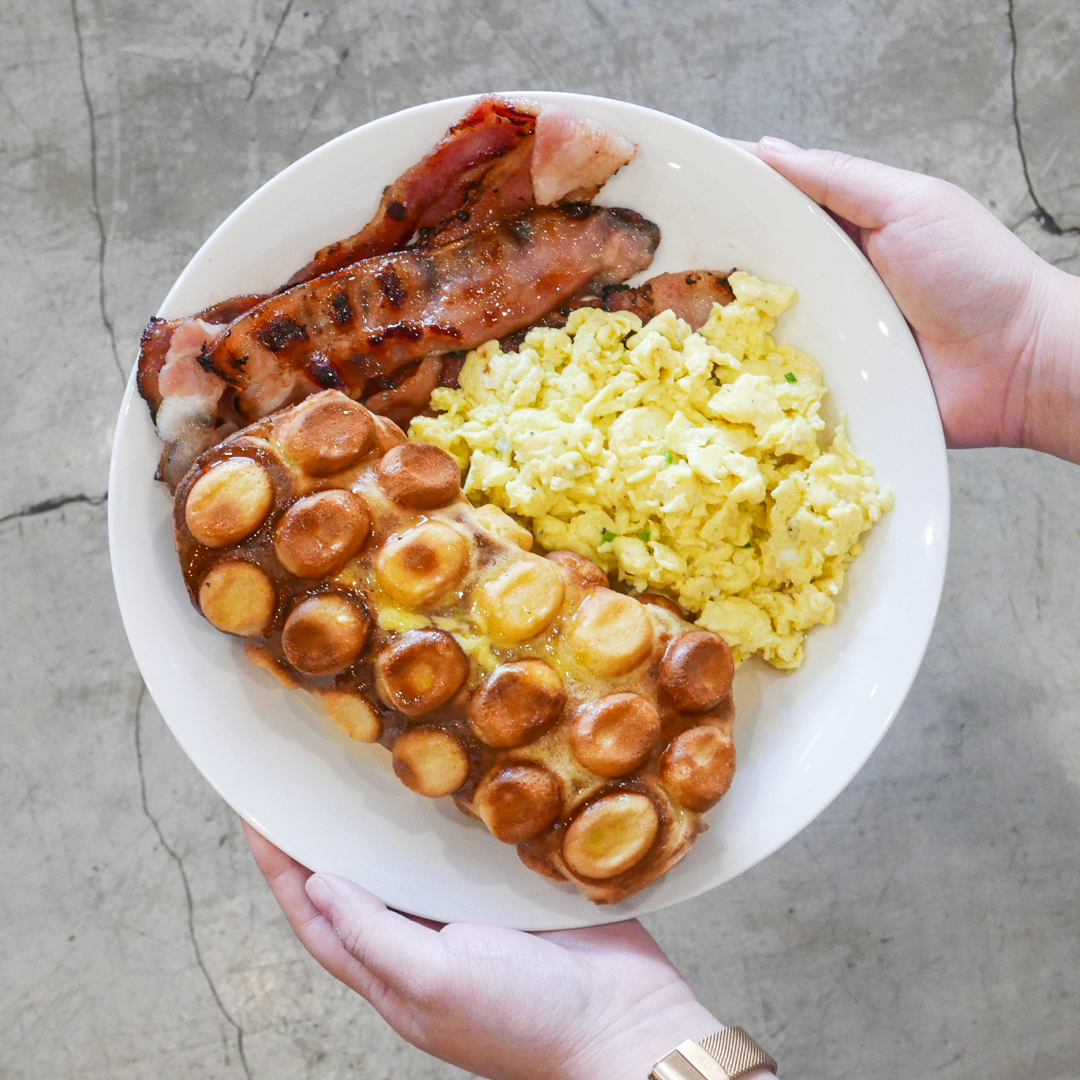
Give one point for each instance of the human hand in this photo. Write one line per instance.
(998, 327)
(602, 1003)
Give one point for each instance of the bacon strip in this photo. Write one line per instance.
(431, 194)
(573, 157)
(690, 294)
(434, 188)
(407, 397)
(502, 157)
(569, 159)
(343, 329)
(488, 166)
(193, 407)
(158, 336)
(506, 187)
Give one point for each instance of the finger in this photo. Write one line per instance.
(405, 955)
(749, 147)
(866, 193)
(271, 860)
(431, 924)
(287, 878)
(850, 228)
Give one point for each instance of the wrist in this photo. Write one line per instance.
(634, 1043)
(1051, 386)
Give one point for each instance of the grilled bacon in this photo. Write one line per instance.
(434, 188)
(367, 320)
(502, 157)
(690, 294)
(488, 166)
(568, 159)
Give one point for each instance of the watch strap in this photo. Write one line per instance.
(727, 1055)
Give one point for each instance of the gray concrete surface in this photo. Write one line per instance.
(928, 924)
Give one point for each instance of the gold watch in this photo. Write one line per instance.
(727, 1055)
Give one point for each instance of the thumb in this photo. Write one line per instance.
(405, 955)
(866, 193)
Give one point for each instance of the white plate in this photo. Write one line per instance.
(334, 804)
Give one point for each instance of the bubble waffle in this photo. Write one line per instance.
(589, 728)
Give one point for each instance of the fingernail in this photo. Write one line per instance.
(321, 894)
(779, 146)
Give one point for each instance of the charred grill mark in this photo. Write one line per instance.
(522, 231)
(395, 292)
(403, 330)
(393, 379)
(577, 210)
(324, 373)
(206, 362)
(634, 220)
(443, 331)
(341, 310)
(396, 210)
(409, 331)
(280, 332)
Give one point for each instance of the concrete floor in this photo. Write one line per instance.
(928, 924)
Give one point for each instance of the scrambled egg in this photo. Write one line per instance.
(687, 463)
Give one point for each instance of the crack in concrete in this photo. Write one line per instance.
(176, 858)
(1042, 215)
(53, 504)
(597, 14)
(269, 49)
(95, 201)
(323, 95)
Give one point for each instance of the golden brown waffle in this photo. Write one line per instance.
(590, 728)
